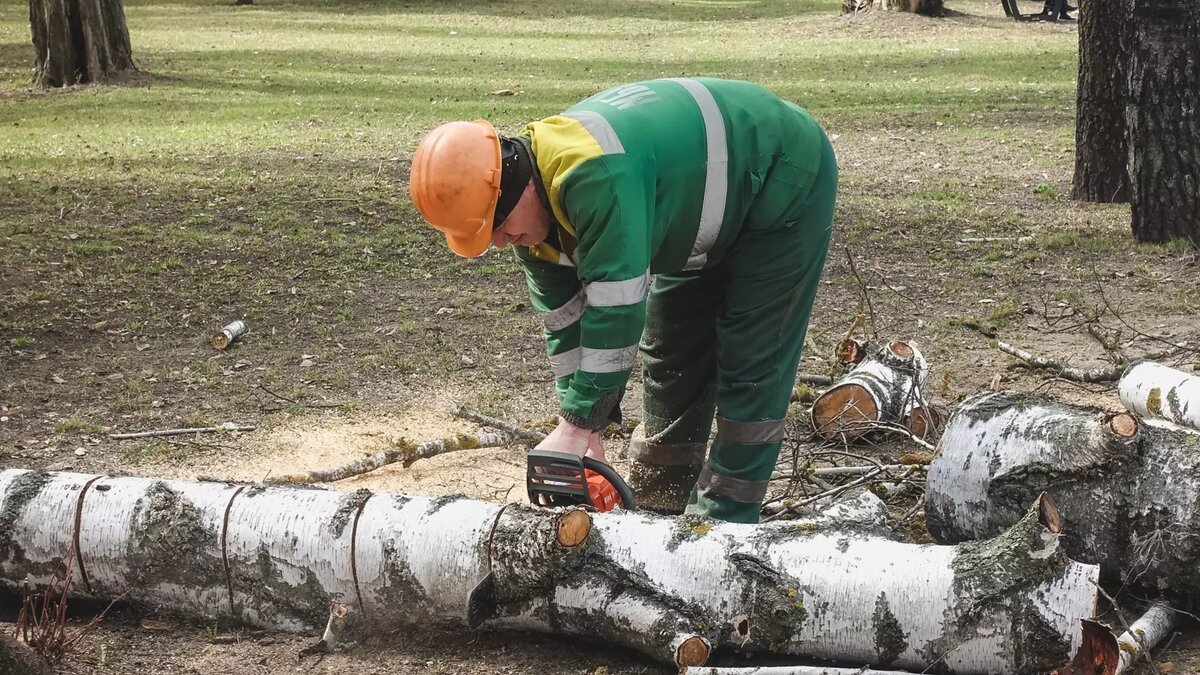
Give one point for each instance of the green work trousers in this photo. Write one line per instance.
(727, 340)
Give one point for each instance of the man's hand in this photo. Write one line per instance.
(567, 437)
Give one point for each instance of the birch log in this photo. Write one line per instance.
(1154, 390)
(1104, 653)
(1150, 629)
(1132, 488)
(278, 557)
(883, 388)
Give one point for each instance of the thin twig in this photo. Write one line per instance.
(1143, 652)
(228, 426)
(1104, 298)
(866, 296)
(401, 452)
(292, 401)
(793, 508)
(819, 380)
(531, 435)
(1063, 370)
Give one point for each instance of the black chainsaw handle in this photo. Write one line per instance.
(610, 474)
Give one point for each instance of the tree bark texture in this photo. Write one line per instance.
(1154, 390)
(1101, 148)
(78, 41)
(672, 588)
(1163, 117)
(883, 388)
(1130, 488)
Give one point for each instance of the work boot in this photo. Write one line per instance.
(707, 503)
(733, 500)
(661, 475)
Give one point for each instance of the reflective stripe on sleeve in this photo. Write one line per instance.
(565, 315)
(617, 293)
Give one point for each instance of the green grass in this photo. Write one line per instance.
(258, 171)
(79, 426)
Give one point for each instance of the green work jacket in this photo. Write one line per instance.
(650, 178)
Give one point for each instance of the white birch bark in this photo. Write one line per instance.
(1154, 390)
(882, 389)
(1131, 489)
(1150, 629)
(671, 588)
(1105, 652)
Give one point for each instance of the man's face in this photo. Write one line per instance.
(528, 224)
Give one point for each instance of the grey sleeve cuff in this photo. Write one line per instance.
(605, 411)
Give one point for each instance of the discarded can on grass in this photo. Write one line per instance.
(228, 334)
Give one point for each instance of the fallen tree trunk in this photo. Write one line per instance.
(1154, 390)
(1132, 488)
(882, 389)
(277, 557)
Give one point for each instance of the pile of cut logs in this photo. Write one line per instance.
(1034, 503)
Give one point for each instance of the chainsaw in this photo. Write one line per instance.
(563, 479)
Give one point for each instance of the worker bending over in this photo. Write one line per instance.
(692, 214)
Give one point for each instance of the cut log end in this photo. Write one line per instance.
(848, 410)
(1097, 655)
(693, 651)
(1123, 426)
(901, 349)
(1048, 514)
(573, 528)
(850, 351)
(924, 422)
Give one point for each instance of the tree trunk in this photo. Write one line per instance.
(78, 41)
(278, 557)
(882, 389)
(1132, 489)
(1163, 117)
(925, 7)
(1154, 390)
(1101, 149)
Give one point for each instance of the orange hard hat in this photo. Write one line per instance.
(455, 182)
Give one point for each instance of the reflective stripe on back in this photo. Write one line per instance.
(716, 178)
